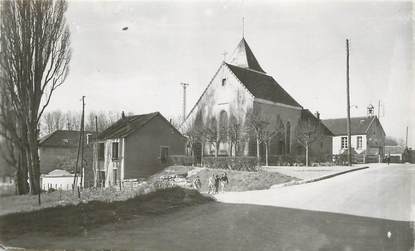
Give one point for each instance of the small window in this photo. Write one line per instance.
(223, 81)
(359, 142)
(101, 151)
(344, 142)
(88, 138)
(164, 154)
(115, 154)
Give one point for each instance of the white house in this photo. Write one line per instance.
(367, 135)
(58, 179)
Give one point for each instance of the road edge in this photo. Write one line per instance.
(300, 182)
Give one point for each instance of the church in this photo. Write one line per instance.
(239, 91)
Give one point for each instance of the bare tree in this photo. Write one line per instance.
(236, 134)
(211, 133)
(272, 128)
(12, 147)
(72, 120)
(256, 125)
(52, 121)
(176, 121)
(264, 127)
(34, 60)
(308, 130)
(193, 130)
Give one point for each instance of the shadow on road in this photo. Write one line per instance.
(218, 226)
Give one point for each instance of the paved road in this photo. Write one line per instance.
(381, 192)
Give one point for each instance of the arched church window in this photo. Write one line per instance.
(288, 137)
(198, 122)
(223, 124)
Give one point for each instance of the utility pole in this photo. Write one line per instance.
(95, 150)
(349, 138)
(80, 148)
(379, 109)
(406, 138)
(184, 100)
(82, 141)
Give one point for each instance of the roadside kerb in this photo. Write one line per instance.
(299, 182)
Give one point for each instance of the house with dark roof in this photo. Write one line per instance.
(396, 153)
(367, 135)
(59, 150)
(135, 147)
(241, 87)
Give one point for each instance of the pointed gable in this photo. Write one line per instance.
(243, 57)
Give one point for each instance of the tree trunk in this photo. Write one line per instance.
(306, 154)
(216, 149)
(257, 151)
(266, 154)
(21, 174)
(202, 152)
(33, 160)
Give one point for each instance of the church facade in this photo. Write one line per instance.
(239, 94)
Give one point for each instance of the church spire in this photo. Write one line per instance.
(243, 27)
(243, 57)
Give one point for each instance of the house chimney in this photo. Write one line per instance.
(317, 115)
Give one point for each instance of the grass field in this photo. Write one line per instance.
(73, 220)
(28, 202)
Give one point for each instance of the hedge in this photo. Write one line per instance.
(181, 160)
(231, 163)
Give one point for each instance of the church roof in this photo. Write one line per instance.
(243, 57)
(262, 86)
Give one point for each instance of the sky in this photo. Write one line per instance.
(300, 44)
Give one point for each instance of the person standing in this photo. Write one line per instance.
(197, 183)
(211, 184)
(217, 180)
(224, 179)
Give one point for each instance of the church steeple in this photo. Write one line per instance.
(243, 57)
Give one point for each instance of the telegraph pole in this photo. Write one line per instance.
(184, 100)
(80, 149)
(95, 150)
(82, 141)
(379, 109)
(406, 138)
(349, 137)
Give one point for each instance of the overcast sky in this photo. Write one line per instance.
(301, 44)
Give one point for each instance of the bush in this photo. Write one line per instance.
(231, 163)
(181, 160)
(285, 160)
